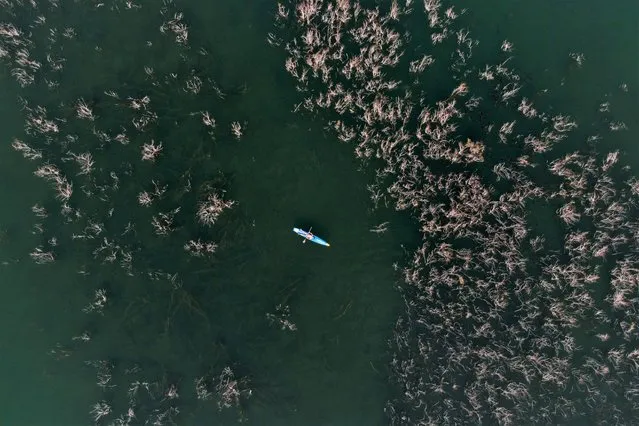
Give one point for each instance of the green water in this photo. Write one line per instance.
(286, 171)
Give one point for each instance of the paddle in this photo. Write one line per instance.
(309, 232)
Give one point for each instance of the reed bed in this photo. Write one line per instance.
(529, 229)
(500, 310)
(104, 151)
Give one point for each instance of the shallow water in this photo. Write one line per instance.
(286, 171)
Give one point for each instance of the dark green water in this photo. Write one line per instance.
(285, 171)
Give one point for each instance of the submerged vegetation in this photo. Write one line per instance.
(529, 230)
(107, 149)
(498, 307)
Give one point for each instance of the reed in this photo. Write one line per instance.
(493, 314)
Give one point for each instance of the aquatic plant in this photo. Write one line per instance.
(225, 388)
(106, 147)
(495, 313)
(281, 317)
(211, 207)
(231, 390)
(100, 409)
(85, 173)
(497, 306)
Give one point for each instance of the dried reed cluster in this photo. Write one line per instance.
(72, 146)
(211, 208)
(122, 195)
(226, 389)
(499, 307)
